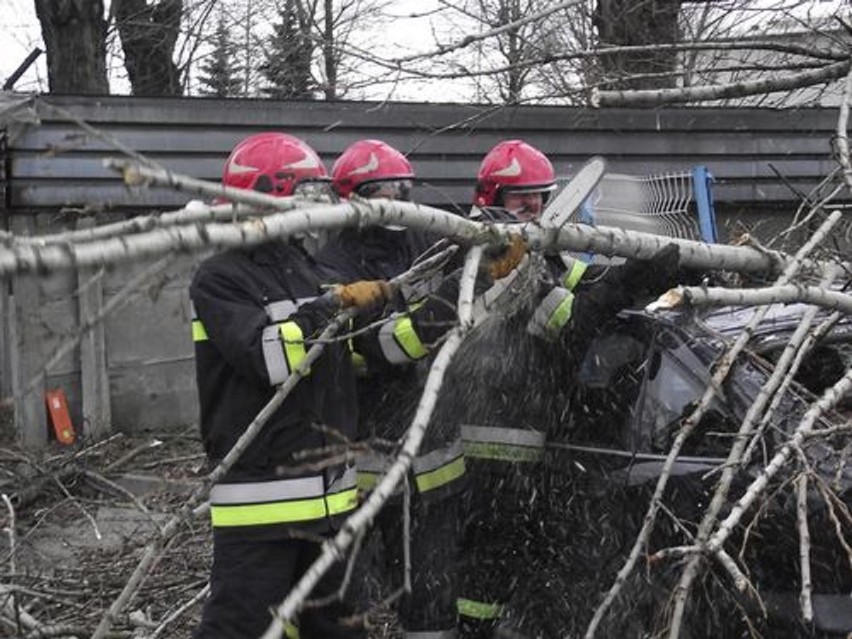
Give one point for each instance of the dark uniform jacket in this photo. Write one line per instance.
(253, 309)
(391, 384)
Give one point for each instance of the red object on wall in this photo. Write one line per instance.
(60, 418)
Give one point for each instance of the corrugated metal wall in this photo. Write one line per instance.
(756, 156)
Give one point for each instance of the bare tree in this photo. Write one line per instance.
(624, 23)
(74, 33)
(149, 33)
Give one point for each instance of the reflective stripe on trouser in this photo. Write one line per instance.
(399, 341)
(503, 444)
(431, 634)
(281, 501)
(433, 470)
(479, 609)
(283, 350)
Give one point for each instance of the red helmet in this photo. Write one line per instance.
(368, 161)
(273, 163)
(512, 165)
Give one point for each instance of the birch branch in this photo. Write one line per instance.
(805, 597)
(604, 240)
(195, 211)
(787, 294)
(828, 401)
(660, 97)
(334, 548)
(720, 495)
(135, 175)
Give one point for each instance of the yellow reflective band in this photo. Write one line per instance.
(478, 609)
(283, 512)
(440, 476)
(290, 630)
(294, 344)
(407, 339)
(366, 480)
(502, 452)
(199, 333)
(574, 274)
(562, 314)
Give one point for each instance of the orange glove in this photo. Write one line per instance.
(502, 264)
(363, 294)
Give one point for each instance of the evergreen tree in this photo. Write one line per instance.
(220, 74)
(288, 55)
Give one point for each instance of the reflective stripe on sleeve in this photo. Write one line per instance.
(281, 501)
(294, 344)
(431, 634)
(439, 467)
(552, 314)
(574, 274)
(399, 342)
(502, 444)
(283, 309)
(273, 355)
(561, 314)
(283, 350)
(479, 609)
(199, 333)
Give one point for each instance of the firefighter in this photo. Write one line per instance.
(523, 363)
(253, 310)
(392, 384)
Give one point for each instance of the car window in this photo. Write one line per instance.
(676, 377)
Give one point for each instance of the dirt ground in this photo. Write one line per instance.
(82, 518)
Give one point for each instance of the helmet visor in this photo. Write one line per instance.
(313, 188)
(389, 189)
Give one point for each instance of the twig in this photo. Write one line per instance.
(10, 531)
(200, 595)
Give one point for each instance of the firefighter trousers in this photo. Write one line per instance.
(251, 577)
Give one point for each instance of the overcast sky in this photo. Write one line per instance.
(20, 33)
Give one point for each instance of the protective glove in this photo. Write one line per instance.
(499, 265)
(363, 294)
(653, 276)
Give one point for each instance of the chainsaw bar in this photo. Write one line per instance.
(571, 198)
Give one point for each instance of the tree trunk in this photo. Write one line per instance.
(634, 23)
(74, 33)
(148, 36)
